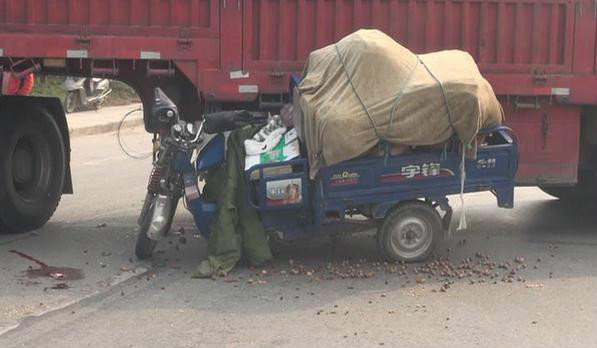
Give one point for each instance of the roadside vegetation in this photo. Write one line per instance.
(51, 86)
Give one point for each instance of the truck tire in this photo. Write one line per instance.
(32, 168)
(565, 193)
(409, 232)
(584, 192)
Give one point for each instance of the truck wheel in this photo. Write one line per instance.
(32, 169)
(585, 191)
(565, 193)
(409, 232)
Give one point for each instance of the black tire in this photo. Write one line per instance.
(145, 246)
(565, 193)
(71, 102)
(411, 221)
(584, 192)
(32, 169)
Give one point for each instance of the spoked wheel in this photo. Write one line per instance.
(71, 101)
(409, 233)
(145, 245)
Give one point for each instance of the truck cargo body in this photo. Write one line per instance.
(539, 55)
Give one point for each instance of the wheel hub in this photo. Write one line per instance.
(31, 169)
(411, 236)
(22, 165)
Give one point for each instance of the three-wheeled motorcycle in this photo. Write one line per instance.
(404, 197)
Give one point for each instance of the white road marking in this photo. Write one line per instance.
(111, 282)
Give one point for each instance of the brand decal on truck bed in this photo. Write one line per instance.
(486, 163)
(417, 171)
(345, 178)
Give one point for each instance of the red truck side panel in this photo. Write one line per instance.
(548, 143)
(584, 39)
(181, 30)
(232, 50)
(138, 17)
(523, 47)
(512, 41)
(503, 36)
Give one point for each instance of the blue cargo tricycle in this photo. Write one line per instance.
(404, 197)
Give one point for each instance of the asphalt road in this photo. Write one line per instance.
(341, 296)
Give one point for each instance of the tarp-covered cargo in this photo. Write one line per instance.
(367, 88)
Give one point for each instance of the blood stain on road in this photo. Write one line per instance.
(58, 273)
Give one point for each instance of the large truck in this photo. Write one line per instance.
(539, 55)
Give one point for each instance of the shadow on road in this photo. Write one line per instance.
(554, 241)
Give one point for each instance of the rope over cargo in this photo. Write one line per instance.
(348, 100)
(396, 101)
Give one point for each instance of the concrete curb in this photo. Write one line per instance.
(103, 128)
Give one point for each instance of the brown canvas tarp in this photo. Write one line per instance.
(368, 88)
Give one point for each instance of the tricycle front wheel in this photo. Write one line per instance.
(409, 232)
(145, 245)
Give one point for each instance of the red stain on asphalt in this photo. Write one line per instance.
(58, 273)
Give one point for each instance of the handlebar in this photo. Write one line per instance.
(183, 138)
(223, 121)
(213, 123)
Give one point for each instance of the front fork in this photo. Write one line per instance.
(146, 205)
(162, 213)
(162, 195)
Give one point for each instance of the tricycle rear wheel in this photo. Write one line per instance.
(409, 232)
